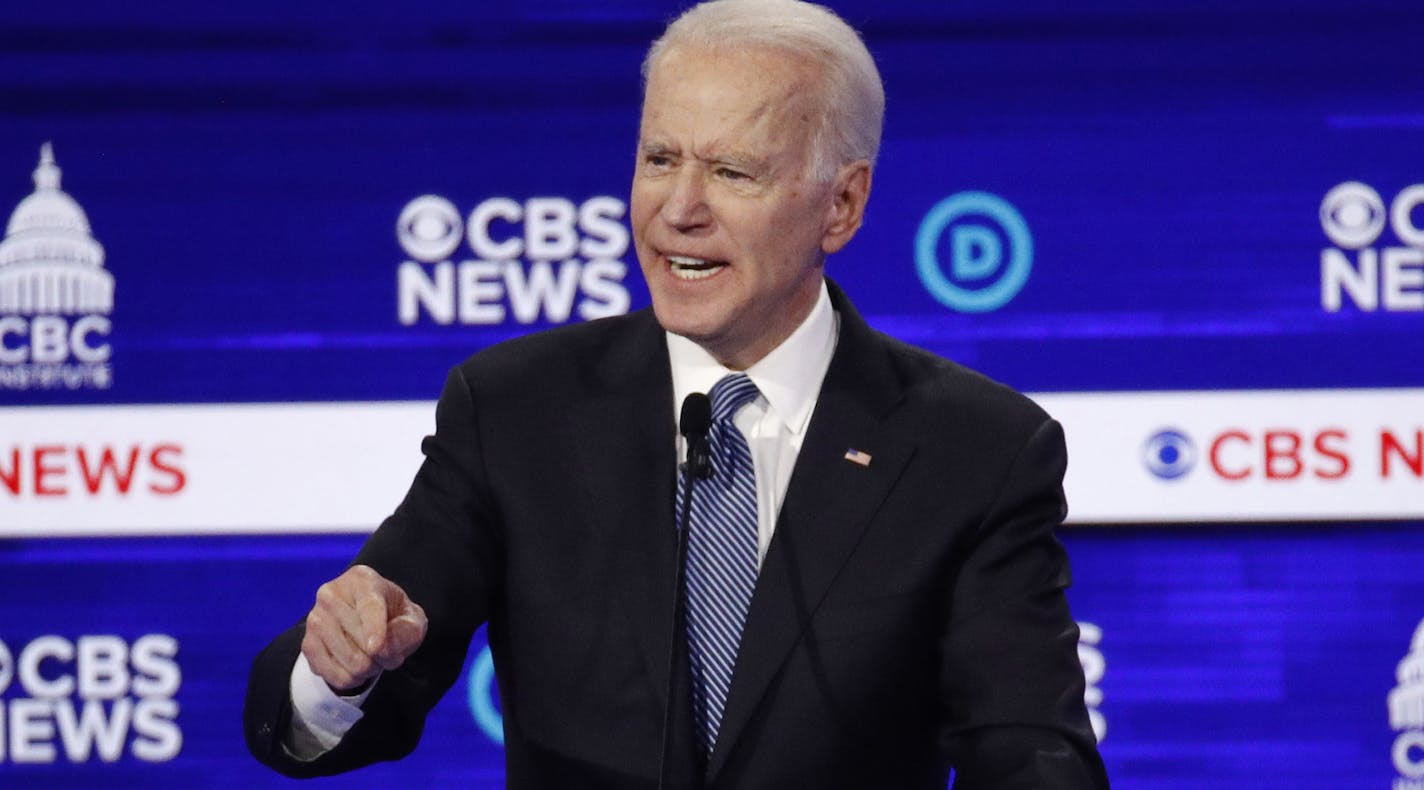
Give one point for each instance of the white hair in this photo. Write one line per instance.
(852, 97)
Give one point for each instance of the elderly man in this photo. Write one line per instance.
(867, 592)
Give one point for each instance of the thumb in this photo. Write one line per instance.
(404, 634)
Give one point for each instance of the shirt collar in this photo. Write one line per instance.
(789, 377)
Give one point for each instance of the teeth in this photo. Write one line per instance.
(688, 268)
(692, 274)
(683, 260)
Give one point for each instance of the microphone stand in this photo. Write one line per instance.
(694, 424)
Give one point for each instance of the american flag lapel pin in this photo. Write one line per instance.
(857, 457)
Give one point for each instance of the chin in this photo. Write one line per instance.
(690, 330)
(680, 323)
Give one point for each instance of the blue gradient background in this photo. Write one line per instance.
(244, 167)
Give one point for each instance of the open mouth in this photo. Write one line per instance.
(688, 268)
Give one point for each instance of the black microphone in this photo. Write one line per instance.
(694, 423)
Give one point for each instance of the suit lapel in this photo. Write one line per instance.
(624, 434)
(828, 504)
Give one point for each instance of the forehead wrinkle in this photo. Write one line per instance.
(773, 119)
(718, 150)
(757, 133)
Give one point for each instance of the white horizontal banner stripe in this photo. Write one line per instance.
(342, 467)
(193, 469)
(1301, 455)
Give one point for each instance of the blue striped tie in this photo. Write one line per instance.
(721, 556)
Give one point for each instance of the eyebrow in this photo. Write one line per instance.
(741, 161)
(654, 148)
(735, 159)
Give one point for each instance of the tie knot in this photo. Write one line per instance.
(729, 394)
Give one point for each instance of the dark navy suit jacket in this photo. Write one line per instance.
(909, 616)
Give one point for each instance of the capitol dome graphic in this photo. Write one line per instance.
(1406, 701)
(49, 262)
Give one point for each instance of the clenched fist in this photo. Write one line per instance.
(361, 624)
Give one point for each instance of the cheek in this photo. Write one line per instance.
(796, 231)
(642, 203)
(637, 212)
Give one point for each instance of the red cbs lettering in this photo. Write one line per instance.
(10, 475)
(108, 466)
(1282, 457)
(1394, 445)
(1338, 454)
(44, 470)
(60, 470)
(1216, 450)
(160, 463)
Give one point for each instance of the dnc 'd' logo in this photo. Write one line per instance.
(973, 252)
(482, 696)
(55, 296)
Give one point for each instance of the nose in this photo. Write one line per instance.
(686, 205)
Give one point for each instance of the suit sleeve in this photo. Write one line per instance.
(443, 547)
(1011, 682)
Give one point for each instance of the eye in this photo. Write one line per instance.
(732, 175)
(657, 160)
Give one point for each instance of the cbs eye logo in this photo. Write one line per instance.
(1352, 215)
(429, 228)
(7, 667)
(1169, 454)
(989, 247)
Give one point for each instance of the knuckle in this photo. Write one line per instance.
(393, 657)
(393, 662)
(361, 667)
(399, 647)
(326, 594)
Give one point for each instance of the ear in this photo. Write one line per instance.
(847, 209)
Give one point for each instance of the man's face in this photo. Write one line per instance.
(730, 226)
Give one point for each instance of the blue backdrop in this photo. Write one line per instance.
(1140, 196)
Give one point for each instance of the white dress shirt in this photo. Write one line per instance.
(774, 424)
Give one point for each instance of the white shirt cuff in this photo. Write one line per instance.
(320, 716)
